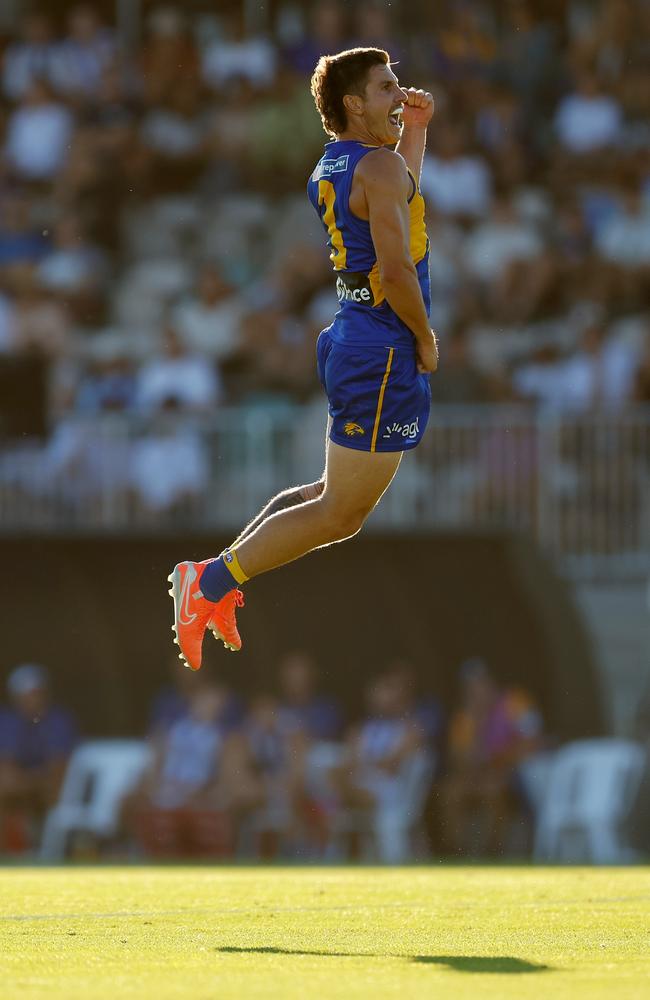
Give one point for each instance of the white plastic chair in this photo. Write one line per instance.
(99, 775)
(590, 791)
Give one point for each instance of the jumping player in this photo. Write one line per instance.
(374, 360)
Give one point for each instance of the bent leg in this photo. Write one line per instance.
(354, 482)
(288, 498)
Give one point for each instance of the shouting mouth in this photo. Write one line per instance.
(395, 117)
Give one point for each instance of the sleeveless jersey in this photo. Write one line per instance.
(364, 316)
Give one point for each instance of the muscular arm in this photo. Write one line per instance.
(418, 109)
(411, 148)
(386, 187)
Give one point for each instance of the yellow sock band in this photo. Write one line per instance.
(232, 562)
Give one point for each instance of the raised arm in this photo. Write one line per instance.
(418, 110)
(387, 187)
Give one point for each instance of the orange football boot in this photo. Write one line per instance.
(193, 613)
(223, 623)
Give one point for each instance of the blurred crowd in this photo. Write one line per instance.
(285, 774)
(157, 252)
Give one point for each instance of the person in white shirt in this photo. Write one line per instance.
(505, 258)
(189, 379)
(454, 182)
(38, 135)
(498, 241)
(588, 120)
(209, 320)
(625, 238)
(237, 56)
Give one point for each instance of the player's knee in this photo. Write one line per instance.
(343, 521)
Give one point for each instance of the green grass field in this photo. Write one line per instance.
(324, 932)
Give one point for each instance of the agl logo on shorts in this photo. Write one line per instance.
(410, 431)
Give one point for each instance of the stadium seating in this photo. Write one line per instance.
(99, 776)
(591, 788)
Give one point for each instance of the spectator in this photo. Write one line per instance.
(209, 320)
(168, 55)
(30, 59)
(182, 806)
(374, 29)
(38, 136)
(504, 254)
(490, 733)
(389, 769)
(84, 55)
(75, 270)
(108, 381)
(527, 61)
(463, 48)
(537, 379)
(36, 739)
(420, 705)
(42, 323)
(496, 243)
(301, 709)
(453, 181)
(274, 752)
(459, 381)
(169, 469)
(624, 238)
(325, 33)
(20, 241)
(499, 119)
(588, 120)
(175, 134)
(237, 56)
(172, 702)
(177, 377)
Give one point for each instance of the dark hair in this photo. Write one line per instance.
(336, 76)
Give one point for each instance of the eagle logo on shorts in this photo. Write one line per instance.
(352, 429)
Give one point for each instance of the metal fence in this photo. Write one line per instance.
(580, 486)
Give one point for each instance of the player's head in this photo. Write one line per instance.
(356, 92)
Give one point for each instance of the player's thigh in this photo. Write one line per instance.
(356, 479)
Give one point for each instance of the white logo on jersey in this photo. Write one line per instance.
(347, 294)
(327, 167)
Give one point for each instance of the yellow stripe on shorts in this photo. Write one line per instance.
(380, 401)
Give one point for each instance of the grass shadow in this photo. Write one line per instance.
(461, 963)
(482, 963)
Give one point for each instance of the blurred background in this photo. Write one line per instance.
(162, 283)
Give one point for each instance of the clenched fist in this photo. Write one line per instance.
(418, 107)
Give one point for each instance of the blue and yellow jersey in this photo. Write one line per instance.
(365, 316)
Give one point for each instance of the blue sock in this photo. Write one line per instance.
(221, 576)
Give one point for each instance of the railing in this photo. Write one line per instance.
(580, 486)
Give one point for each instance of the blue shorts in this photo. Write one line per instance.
(378, 401)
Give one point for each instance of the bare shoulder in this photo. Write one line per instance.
(383, 168)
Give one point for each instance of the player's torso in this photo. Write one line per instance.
(364, 316)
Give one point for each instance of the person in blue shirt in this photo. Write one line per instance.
(302, 708)
(375, 358)
(36, 739)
